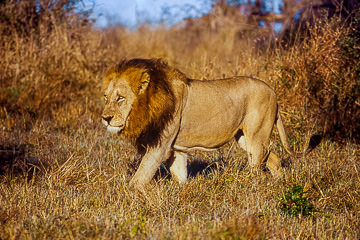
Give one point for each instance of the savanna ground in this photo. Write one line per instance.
(63, 176)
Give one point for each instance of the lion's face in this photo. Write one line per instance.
(119, 99)
(139, 102)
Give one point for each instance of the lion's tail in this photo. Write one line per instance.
(282, 133)
(283, 137)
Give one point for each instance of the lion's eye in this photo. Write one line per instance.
(105, 97)
(120, 99)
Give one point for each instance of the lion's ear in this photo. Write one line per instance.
(145, 80)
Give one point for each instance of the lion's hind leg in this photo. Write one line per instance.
(258, 154)
(178, 167)
(255, 152)
(273, 163)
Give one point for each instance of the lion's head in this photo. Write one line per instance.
(139, 101)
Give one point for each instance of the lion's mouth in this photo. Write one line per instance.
(113, 129)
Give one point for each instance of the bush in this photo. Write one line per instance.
(323, 75)
(46, 57)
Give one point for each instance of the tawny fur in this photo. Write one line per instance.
(163, 114)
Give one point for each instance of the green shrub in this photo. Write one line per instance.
(294, 202)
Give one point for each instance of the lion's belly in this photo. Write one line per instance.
(205, 133)
(200, 141)
(210, 118)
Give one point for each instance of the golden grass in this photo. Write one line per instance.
(62, 176)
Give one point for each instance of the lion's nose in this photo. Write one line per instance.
(107, 118)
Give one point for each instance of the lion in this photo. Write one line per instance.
(165, 115)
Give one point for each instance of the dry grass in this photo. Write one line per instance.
(62, 176)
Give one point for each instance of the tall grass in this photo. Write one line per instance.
(63, 176)
(323, 70)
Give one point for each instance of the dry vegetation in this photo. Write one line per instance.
(63, 176)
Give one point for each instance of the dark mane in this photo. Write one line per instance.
(153, 64)
(153, 109)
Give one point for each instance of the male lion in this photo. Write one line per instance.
(162, 112)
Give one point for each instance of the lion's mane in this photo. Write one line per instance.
(152, 109)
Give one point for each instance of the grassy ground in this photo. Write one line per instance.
(63, 176)
(85, 194)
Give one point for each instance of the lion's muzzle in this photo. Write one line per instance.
(106, 119)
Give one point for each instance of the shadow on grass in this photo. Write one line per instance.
(14, 160)
(315, 140)
(195, 167)
(199, 166)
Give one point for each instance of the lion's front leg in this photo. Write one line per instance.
(154, 156)
(178, 167)
(148, 166)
